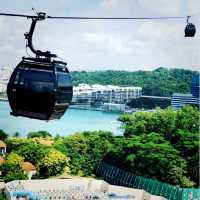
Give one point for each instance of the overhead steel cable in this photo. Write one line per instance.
(116, 18)
(190, 28)
(18, 15)
(95, 18)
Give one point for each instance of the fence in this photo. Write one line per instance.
(116, 176)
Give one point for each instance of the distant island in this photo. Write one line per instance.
(159, 82)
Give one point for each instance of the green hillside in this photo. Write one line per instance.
(159, 82)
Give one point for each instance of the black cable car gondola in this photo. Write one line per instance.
(190, 29)
(40, 87)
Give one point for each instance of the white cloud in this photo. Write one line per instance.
(107, 42)
(161, 7)
(128, 45)
(152, 7)
(11, 40)
(113, 3)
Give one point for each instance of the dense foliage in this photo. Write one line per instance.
(53, 163)
(42, 134)
(161, 145)
(3, 135)
(159, 82)
(47, 160)
(86, 150)
(11, 170)
(2, 196)
(165, 138)
(149, 103)
(151, 156)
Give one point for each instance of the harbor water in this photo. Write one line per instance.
(74, 120)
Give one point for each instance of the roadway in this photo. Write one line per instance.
(156, 97)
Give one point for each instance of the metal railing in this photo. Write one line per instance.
(116, 176)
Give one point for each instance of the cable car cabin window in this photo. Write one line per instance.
(39, 81)
(64, 79)
(64, 84)
(16, 80)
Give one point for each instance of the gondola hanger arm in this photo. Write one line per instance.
(29, 37)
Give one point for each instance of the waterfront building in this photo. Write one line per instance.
(116, 94)
(2, 88)
(179, 100)
(99, 94)
(4, 78)
(113, 107)
(195, 85)
(82, 94)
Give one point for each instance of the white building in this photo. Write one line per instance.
(4, 78)
(84, 93)
(114, 107)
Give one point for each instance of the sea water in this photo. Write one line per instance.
(74, 120)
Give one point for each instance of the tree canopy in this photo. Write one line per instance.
(164, 138)
(53, 163)
(42, 134)
(86, 150)
(159, 82)
(3, 135)
(161, 145)
(11, 169)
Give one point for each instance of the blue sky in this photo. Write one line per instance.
(99, 45)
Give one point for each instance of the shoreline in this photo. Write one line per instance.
(79, 107)
(87, 107)
(3, 99)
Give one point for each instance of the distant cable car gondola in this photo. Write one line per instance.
(190, 29)
(40, 87)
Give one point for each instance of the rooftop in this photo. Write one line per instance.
(28, 167)
(97, 87)
(76, 188)
(45, 141)
(182, 94)
(2, 144)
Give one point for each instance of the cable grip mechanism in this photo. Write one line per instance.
(29, 36)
